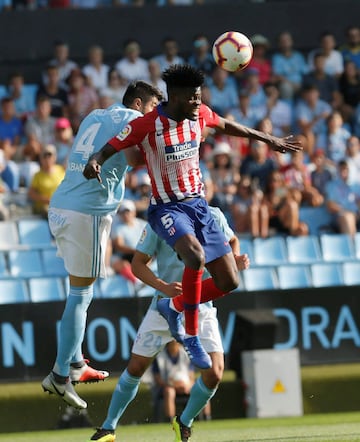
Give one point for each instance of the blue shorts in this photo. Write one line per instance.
(171, 221)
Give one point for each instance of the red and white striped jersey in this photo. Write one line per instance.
(171, 152)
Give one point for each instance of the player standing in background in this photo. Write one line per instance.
(153, 333)
(80, 217)
(169, 138)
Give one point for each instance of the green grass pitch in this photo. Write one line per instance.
(318, 428)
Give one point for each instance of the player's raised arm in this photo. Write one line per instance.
(287, 144)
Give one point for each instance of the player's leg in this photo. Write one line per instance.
(206, 385)
(80, 370)
(152, 336)
(175, 224)
(203, 390)
(222, 267)
(81, 241)
(124, 392)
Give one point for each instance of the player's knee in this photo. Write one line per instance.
(228, 284)
(212, 377)
(136, 367)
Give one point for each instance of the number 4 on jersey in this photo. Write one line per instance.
(85, 145)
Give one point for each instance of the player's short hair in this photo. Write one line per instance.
(140, 89)
(183, 75)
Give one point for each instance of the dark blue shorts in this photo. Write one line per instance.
(171, 221)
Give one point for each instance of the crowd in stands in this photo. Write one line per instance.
(283, 91)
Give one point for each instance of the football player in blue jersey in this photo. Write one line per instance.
(153, 333)
(80, 217)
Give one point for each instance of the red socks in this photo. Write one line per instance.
(191, 285)
(209, 292)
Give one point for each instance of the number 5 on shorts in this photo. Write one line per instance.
(167, 221)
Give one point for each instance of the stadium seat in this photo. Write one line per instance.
(246, 246)
(326, 275)
(351, 272)
(357, 245)
(13, 291)
(318, 219)
(116, 286)
(35, 233)
(46, 289)
(4, 272)
(53, 265)
(270, 251)
(337, 247)
(25, 263)
(260, 278)
(294, 276)
(9, 236)
(303, 249)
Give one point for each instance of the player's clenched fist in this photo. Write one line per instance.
(92, 170)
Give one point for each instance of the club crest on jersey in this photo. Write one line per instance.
(124, 133)
(171, 231)
(143, 236)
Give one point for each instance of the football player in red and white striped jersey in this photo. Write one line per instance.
(169, 139)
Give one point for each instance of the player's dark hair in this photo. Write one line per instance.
(140, 89)
(183, 75)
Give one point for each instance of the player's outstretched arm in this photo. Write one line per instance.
(287, 144)
(141, 270)
(93, 167)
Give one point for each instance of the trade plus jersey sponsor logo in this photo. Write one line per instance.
(181, 151)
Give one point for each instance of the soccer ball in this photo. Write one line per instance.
(232, 51)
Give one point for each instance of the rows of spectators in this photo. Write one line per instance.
(283, 91)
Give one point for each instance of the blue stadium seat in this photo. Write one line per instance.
(53, 264)
(246, 246)
(326, 275)
(46, 289)
(9, 236)
(357, 245)
(35, 233)
(351, 272)
(4, 272)
(270, 251)
(337, 247)
(294, 276)
(303, 249)
(318, 219)
(260, 278)
(13, 291)
(25, 263)
(116, 286)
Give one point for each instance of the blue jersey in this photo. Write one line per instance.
(170, 267)
(89, 196)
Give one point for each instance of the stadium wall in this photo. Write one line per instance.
(27, 37)
(323, 323)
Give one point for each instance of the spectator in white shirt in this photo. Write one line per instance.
(96, 71)
(334, 64)
(132, 66)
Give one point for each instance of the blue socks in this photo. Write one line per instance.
(125, 391)
(199, 396)
(72, 328)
